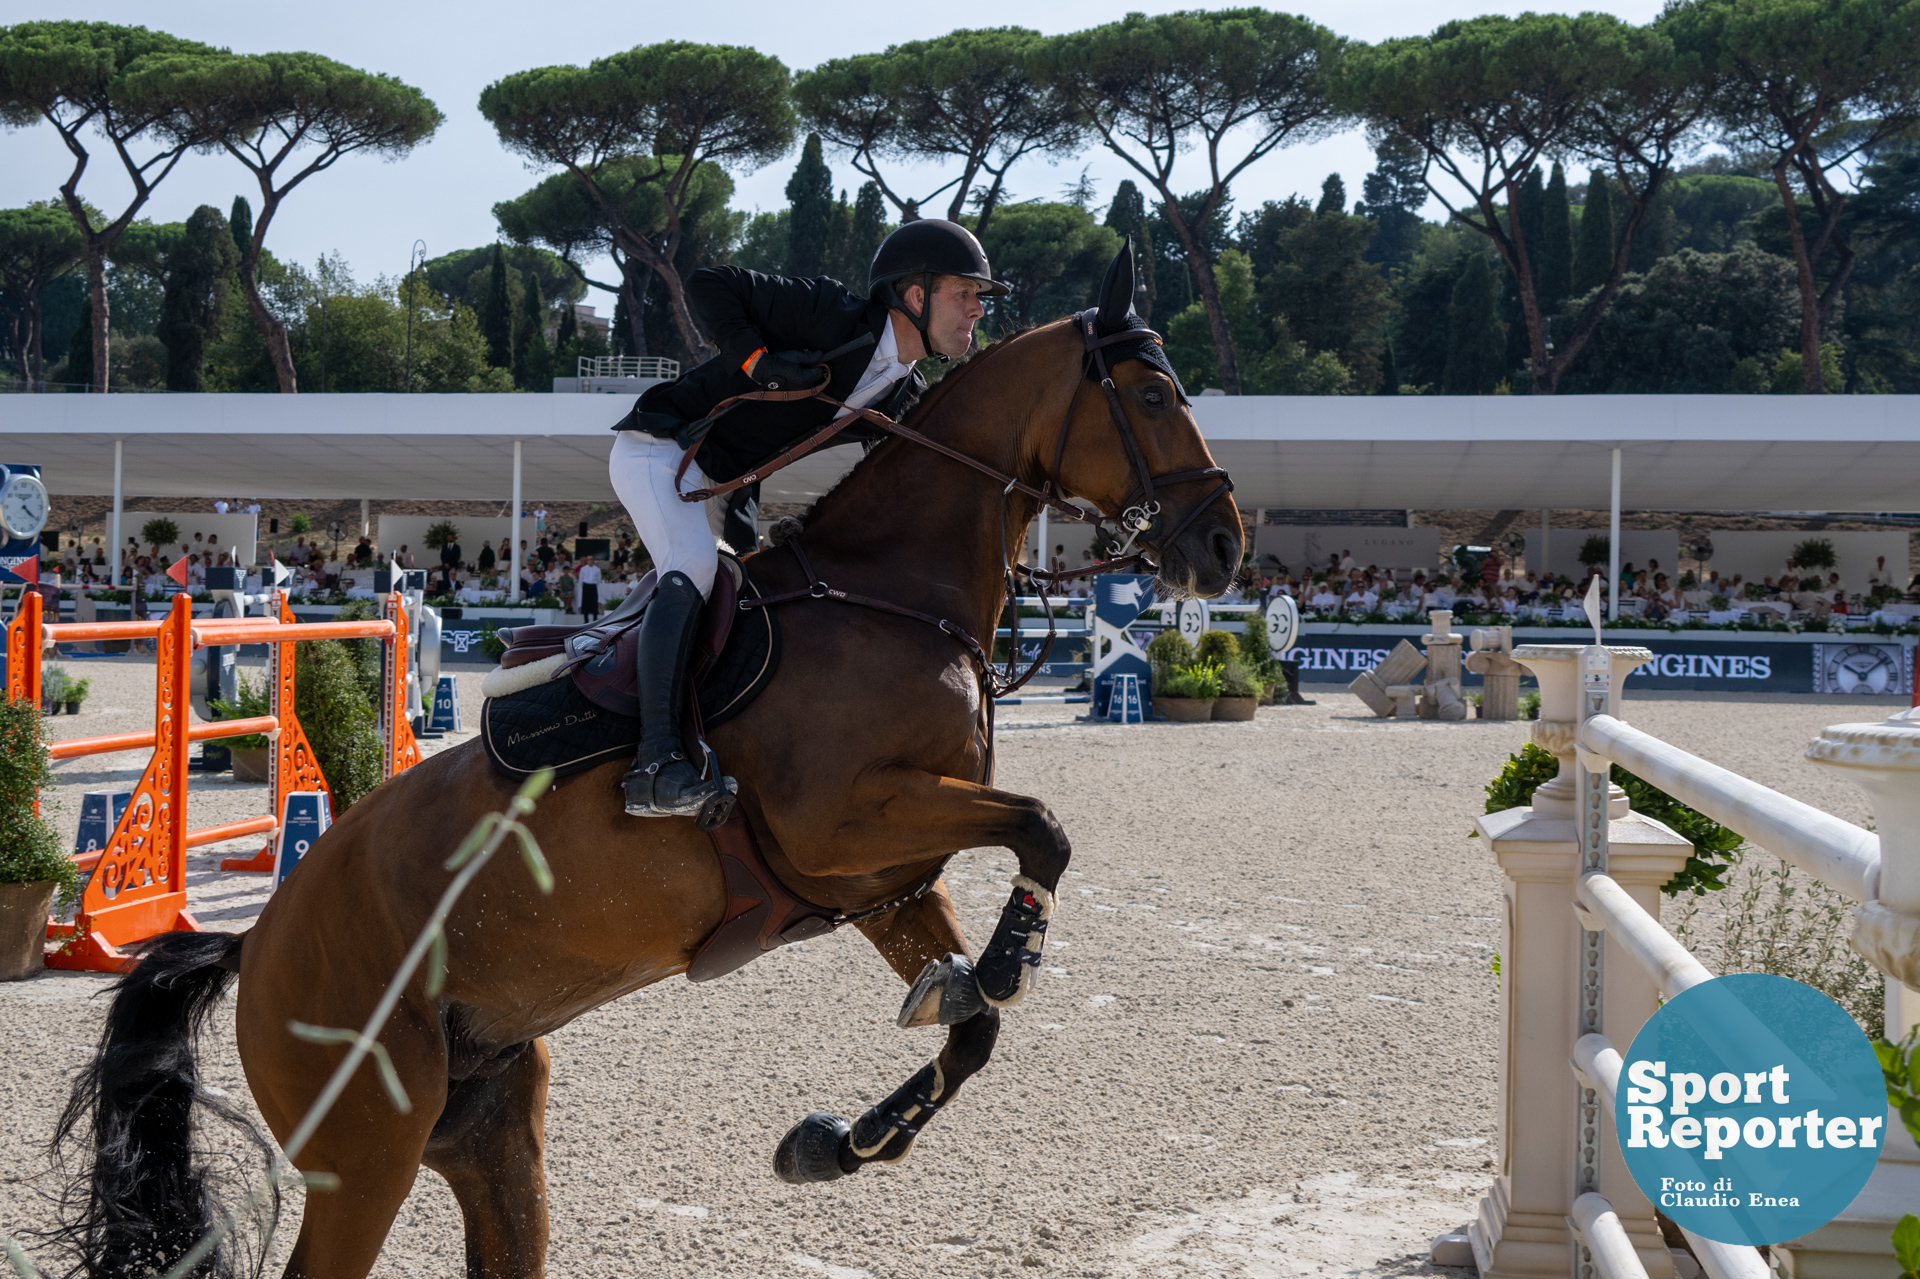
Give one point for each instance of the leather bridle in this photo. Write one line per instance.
(1137, 518)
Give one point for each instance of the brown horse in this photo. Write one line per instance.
(862, 767)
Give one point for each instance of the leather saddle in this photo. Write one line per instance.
(761, 913)
(600, 656)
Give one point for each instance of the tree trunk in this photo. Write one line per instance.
(1810, 380)
(636, 300)
(97, 289)
(696, 345)
(1203, 279)
(272, 332)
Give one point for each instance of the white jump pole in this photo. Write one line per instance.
(1613, 546)
(1546, 542)
(113, 520)
(513, 541)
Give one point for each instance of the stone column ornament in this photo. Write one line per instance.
(1884, 759)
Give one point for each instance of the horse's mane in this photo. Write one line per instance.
(929, 405)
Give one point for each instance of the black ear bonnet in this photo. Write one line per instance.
(1116, 315)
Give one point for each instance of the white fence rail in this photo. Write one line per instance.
(1837, 853)
(1575, 981)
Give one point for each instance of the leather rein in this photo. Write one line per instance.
(1137, 516)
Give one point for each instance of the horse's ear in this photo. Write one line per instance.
(1116, 291)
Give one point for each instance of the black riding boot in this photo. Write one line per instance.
(664, 783)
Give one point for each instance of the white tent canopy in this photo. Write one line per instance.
(1838, 453)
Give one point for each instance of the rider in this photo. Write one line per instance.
(774, 334)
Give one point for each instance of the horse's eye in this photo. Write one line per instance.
(1154, 398)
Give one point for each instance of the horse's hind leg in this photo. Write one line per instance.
(823, 1146)
(488, 1145)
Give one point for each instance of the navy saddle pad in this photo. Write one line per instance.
(555, 725)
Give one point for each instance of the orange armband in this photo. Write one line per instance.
(746, 365)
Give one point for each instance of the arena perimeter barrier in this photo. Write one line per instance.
(1585, 961)
(137, 884)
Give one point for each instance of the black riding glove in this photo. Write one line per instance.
(787, 370)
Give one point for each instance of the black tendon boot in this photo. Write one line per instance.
(663, 782)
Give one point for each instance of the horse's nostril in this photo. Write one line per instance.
(1226, 549)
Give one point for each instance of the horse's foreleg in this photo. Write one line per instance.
(823, 1146)
(903, 814)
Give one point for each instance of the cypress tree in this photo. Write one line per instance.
(1554, 258)
(532, 325)
(496, 324)
(810, 193)
(1128, 215)
(1389, 373)
(1593, 248)
(1475, 336)
(840, 240)
(240, 220)
(1333, 195)
(868, 229)
(198, 269)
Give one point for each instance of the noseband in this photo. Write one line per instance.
(1137, 518)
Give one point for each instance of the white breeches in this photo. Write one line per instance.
(676, 534)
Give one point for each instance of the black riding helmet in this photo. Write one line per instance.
(918, 252)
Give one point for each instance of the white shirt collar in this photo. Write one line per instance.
(886, 354)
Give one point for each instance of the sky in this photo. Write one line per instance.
(371, 211)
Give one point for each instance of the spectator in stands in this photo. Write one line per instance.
(487, 559)
(220, 506)
(449, 556)
(1323, 598)
(363, 552)
(1881, 577)
(546, 553)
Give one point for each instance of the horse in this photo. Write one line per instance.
(863, 765)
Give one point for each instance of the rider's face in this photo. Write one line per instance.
(956, 309)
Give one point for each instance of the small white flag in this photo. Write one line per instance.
(280, 571)
(1593, 605)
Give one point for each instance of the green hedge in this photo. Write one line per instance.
(1715, 848)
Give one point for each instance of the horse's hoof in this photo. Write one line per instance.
(811, 1149)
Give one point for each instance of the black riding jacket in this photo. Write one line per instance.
(744, 311)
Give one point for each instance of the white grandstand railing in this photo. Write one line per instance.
(649, 366)
(1579, 724)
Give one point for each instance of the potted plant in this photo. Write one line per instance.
(32, 867)
(1189, 693)
(77, 691)
(53, 689)
(252, 754)
(1239, 694)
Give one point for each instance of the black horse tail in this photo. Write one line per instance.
(138, 1198)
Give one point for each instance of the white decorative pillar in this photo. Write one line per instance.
(1884, 759)
(1521, 1228)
